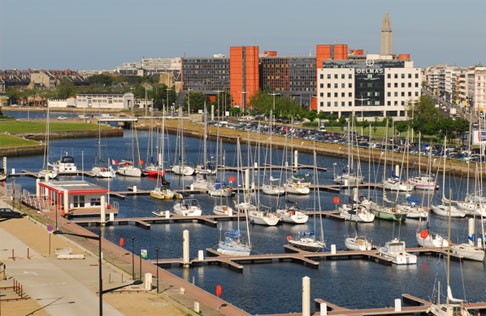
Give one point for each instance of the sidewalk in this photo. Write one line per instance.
(69, 287)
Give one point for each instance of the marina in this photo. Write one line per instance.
(270, 256)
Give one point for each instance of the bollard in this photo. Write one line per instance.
(28, 253)
(196, 307)
(398, 305)
(333, 249)
(306, 295)
(112, 217)
(323, 308)
(148, 281)
(182, 290)
(185, 248)
(167, 214)
(200, 255)
(13, 170)
(296, 159)
(103, 211)
(134, 189)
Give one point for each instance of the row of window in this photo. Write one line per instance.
(402, 76)
(350, 103)
(395, 85)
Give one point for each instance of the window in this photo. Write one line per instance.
(350, 103)
(343, 85)
(396, 85)
(335, 103)
(343, 94)
(395, 76)
(335, 94)
(329, 94)
(329, 86)
(322, 86)
(335, 76)
(350, 76)
(322, 76)
(95, 201)
(78, 201)
(388, 85)
(336, 85)
(343, 76)
(328, 76)
(350, 85)
(350, 94)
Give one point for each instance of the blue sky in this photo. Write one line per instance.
(102, 34)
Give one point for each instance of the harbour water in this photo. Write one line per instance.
(276, 288)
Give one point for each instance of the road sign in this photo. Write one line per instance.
(50, 228)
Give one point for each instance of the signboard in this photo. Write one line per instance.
(478, 137)
(50, 229)
(144, 253)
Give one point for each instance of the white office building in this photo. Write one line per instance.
(112, 101)
(377, 87)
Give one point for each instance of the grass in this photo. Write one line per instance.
(12, 141)
(14, 127)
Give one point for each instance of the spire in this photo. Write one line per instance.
(386, 36)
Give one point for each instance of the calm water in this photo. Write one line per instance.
(275, 288)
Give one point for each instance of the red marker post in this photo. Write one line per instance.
(335, 200)
(219, 292)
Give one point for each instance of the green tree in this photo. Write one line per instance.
(196, 100)
(65, 89)
(425, 116)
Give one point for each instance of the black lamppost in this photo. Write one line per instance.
(100, 267)
(157, 266)
(133, 258)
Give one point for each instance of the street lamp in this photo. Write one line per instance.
(273, 105)
(100, 268)
(157, 265)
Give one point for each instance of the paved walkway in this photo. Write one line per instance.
(69, 287)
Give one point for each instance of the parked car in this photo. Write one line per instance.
(9, 213)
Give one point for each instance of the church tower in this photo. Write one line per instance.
(386, 36)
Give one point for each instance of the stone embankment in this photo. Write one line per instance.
(374, 156)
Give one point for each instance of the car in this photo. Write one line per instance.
(6, 212)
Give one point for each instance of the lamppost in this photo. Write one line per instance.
(189, 102)
(100, 267)
(133, 257)
(157, 265)
(219, 110)
(273, 94)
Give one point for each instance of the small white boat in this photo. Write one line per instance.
(444, 210)
(232, 245)
(47, 173)
(221, 209)
(396, 251)
(65, 165)
(359, 243)
(103, 172)
(413, 210)
(471, 208)
(262, 217)
(427, 183)
(127, 169)
(346, 179)
(183, 170)
(307, 241)
(468, 251)
(356, 213)
(273, 189)
(161, 213)
(394, 184)
(298, 184)
(189, 207)
(430, 240)
(199, 183)
(292, 215)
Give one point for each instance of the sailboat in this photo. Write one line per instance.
(232, 243)
(292, 214)
(469, 250)
(308, 240)
(180, 166)
(187, 207)
(357, 210)
(99, 170)
(453, 306)
(348, 176)
(46, 172)
(162, 190)
(215, 186)
(272, 187)
(446, 209)
(357, 242)
(426, 181)
(427, 239)
(207, 167)
(126, 167)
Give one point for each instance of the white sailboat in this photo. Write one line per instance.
(427, 239)
(232, 243)
(180, 166)
(127, 168)
(272, 186)
(292, 214)
(357, 242)
(100, 170)
(469, 250)
(308, 240)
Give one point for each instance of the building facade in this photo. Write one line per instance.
(206, 75)
(117, 101)
(244, 74)
(376, 87)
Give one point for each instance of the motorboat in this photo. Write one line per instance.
(182, 170)
(395, 184)
(161, 213)
(219, 189)
(221, 209)
(164, 193)
(65, 165)
(188, 207)
(468, 251)
(396, 252)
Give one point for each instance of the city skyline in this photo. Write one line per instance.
(54, 34)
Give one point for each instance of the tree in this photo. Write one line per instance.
(196, 99)
(65, 89)
(425, 116)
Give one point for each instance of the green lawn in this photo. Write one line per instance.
(14, 127)
(10, 141)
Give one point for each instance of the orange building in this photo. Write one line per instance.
(244, 74)
(327, 51)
